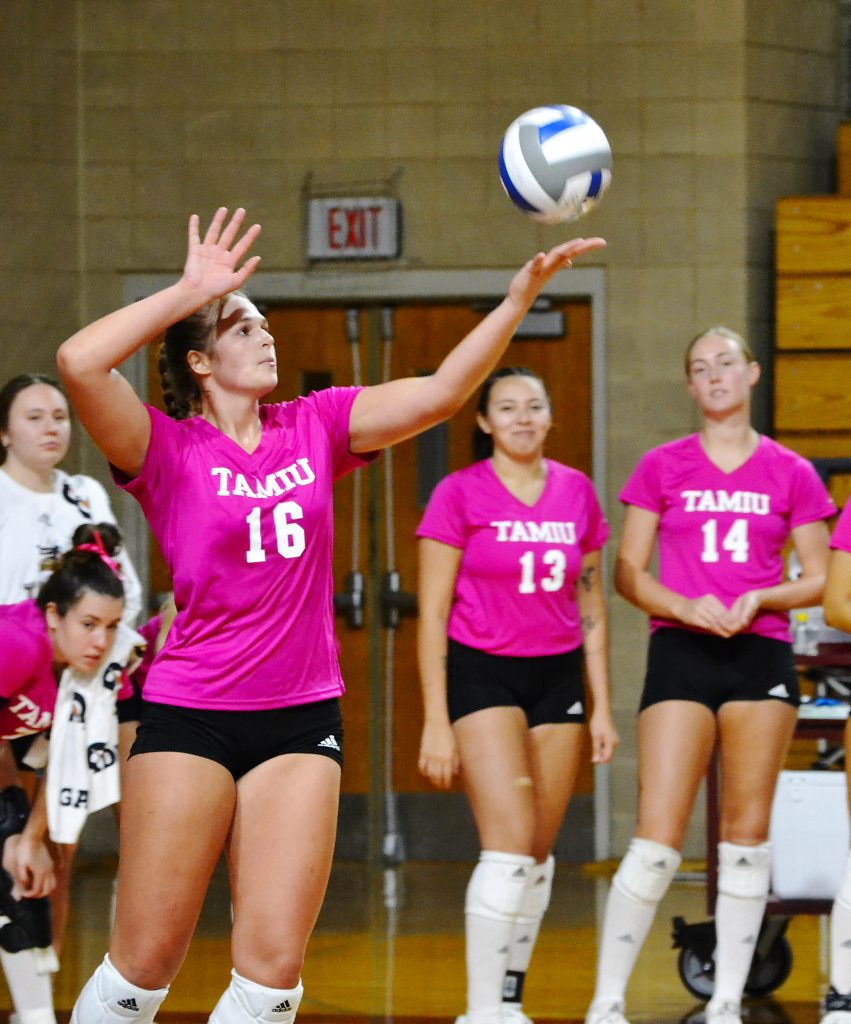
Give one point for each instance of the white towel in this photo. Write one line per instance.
(83, 767)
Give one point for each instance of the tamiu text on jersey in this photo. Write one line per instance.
(727, 501)
(231, 484)
(513, 530)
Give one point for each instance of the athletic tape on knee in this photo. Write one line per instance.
(843, 896)
(744, 871)
(246, 1002)
(109, 998)
(498, 885)
(539, 888)
(646, 870)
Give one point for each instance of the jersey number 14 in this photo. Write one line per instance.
(735, 541)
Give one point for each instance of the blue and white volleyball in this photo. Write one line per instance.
(555, 163)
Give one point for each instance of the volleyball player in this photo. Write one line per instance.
(239, 747)
(40, 508)
(721, 504)
(511, 612)
(70, 623)
(837, 613)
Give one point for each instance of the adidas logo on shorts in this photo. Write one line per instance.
(778, 691)
(128, 1004)
(286, 1004)
(330, 741)
(575, 708)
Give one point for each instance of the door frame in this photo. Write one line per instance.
(360, 287)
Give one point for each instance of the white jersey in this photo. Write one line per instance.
(35, 528)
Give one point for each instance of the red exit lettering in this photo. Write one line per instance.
(353, 228)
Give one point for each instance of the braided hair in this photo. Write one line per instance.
(82, 570)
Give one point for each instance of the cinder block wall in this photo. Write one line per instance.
(120, 117)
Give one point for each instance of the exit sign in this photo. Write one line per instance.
(349, 228)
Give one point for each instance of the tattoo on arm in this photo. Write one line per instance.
(588, 623)
(588, 577)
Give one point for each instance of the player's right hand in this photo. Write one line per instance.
(439, 760)
(707, 613)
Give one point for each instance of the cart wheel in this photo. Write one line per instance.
(770, 971)
(697, 974)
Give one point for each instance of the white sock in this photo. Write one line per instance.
(840, 936)
(536, 899)
(494, 897)
(108, 998)
(744, 874)
(246, 1002)
(32, 993)
(639, 884)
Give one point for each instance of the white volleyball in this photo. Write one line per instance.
(555, 163)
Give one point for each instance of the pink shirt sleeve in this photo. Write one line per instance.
(841, 539)
(597, 532)
(643, 487)
(810, 500)
(19, 657)
(334, 408)
(444, 519)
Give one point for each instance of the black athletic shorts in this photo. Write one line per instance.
(242, 740)
(549, 688)
(713, 670)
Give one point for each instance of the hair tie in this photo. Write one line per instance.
(102, 553)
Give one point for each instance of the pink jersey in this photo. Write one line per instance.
(28, 686)
(723, 533)
(248, 539)
(515, 593)
(841, 537)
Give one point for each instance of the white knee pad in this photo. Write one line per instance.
(744, 871)
(646, 870)
(498, 885)
(108, 998)
(246, 1002)
(844, 894)
(43, 1016)
(538, 890)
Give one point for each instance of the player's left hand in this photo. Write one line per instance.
(741, 613)
(29, 863)
(531, 278)
(604, 736)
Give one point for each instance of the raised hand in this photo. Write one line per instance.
(214, 266)
(531, 278)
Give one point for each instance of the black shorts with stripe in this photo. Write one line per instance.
(713, 670)
(548, 689)
(242, 740)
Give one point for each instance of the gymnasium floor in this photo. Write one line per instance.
(372, 962)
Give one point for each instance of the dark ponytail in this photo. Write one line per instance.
(10, 391)
(195, 333)
(482, 442)
(82, 570)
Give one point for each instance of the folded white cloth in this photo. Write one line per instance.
(82, 767)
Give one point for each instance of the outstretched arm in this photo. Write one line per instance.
(108, 407)
(387, 413)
